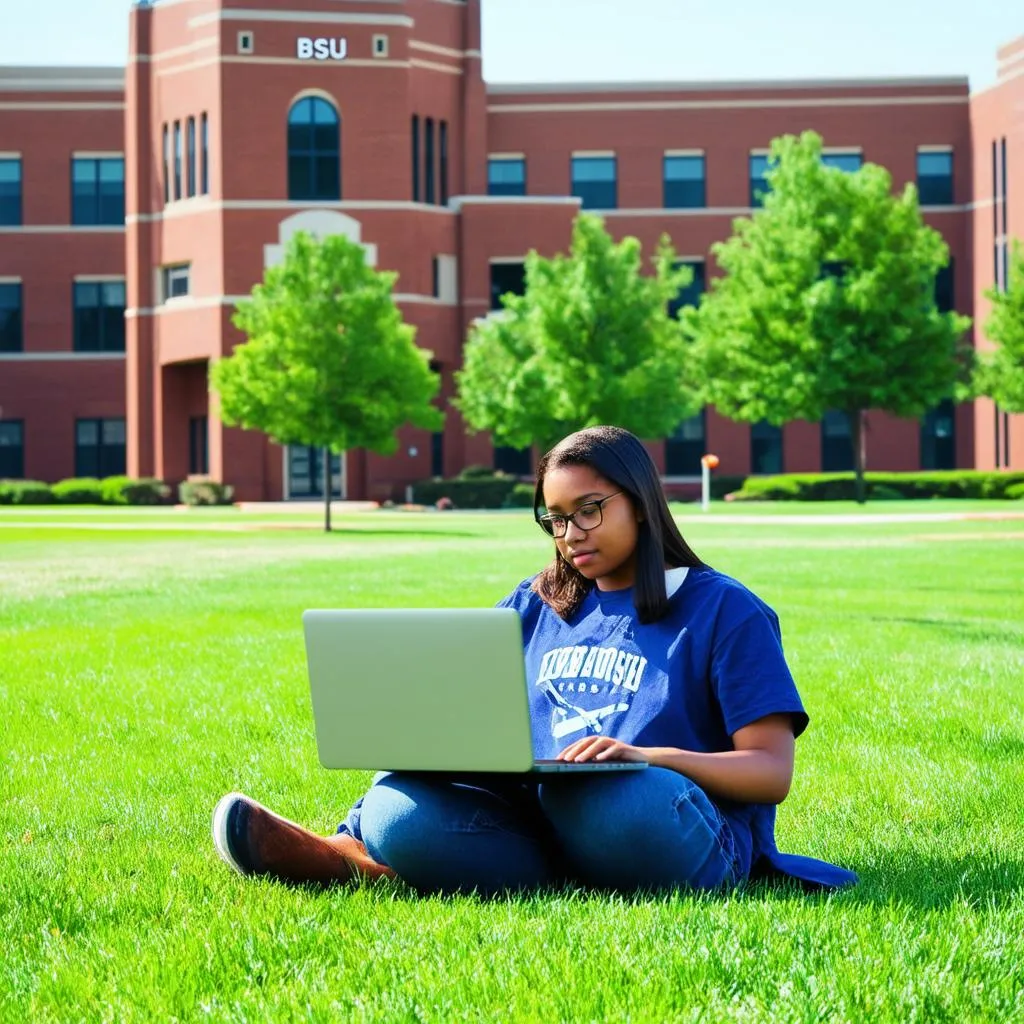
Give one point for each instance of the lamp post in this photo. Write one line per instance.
(707, 463)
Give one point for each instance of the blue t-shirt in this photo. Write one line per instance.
(709, 667)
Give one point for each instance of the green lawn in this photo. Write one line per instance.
(145, 672)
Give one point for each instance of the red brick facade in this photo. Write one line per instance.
(228, 76)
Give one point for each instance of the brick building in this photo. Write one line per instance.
(138, 204)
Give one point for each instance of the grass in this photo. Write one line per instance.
(143, 673)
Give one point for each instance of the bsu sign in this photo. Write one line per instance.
(322, 49)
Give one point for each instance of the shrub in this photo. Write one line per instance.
(197, 491)
(521, 496)
(25, 492)
(490, 492)
(964, 483)
(723, 485)
(1015, 491)
(478, 473)
(78, 491)
(123, 490)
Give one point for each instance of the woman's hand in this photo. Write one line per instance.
(602, 748)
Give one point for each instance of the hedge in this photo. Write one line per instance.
(955, 483)
(111, 490)
(204, 492)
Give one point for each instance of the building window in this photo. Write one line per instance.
(759, 188)
(843, 160)
(684, 182)
(12, 450)
(380, 46)
(690, 295)
(10, 191)
(99, 448)
(442, 142)
(506, 278)
(836, 442)
(517, 461)
(938, 437)
(765, 448)
(945, 293)
(99, 316)
(97, 190)
(594, 181)
(684, 449)
(314, 150)
(204, 161)
(935, 177)
(191, 165)
(177, 281)
(415, 158)
(428, 158)
(198, 445)
(177, 159)
(167, 164)
(10, 317)
(506, 176)
(437, 453)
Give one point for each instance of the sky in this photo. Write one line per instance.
(634, 40)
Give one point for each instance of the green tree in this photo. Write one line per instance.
(328, 361)
(827, 301)
(590, 342)
(1000, 374)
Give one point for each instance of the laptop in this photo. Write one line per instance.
(424, 690)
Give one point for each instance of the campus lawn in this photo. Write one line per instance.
(145, 672)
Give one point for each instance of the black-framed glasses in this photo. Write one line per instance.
(587, 517)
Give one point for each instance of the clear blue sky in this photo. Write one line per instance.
(614, 40)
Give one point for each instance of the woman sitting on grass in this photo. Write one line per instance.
(635, 651)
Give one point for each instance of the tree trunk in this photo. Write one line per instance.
(858, 428)
(328, 488)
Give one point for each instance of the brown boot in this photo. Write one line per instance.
(255, 841)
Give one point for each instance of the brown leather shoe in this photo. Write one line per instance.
(255, 841)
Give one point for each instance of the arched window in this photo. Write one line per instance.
(314, 150)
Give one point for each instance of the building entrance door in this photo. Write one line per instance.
(305, 477)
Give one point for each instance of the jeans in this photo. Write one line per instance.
(652, 829)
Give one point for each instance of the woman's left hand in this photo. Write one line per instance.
(602, 748)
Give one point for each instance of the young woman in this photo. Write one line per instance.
(635, 651)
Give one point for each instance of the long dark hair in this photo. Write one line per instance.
(621, 458)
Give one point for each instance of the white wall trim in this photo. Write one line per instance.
(71, 106)
(178, 209)
(427, 65)
(279, 61)
(62, 229)
(99, 279)
(935, 149)
(458, 202)
(187, 303)
(443, 51)
(751, 104)
(685, 152)
(302, 18)
(10, 280)
(175, 51)
(86, 154)
(10, 156)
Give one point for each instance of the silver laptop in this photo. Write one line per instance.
(424, 690)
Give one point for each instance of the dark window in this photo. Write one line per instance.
(848, 162)
(690, 295)
(435, 269)
(306, 472)
(10, 191)
(765, 448)
(12, 450)
(935, 178)
(938, 437)
(99, 316)
(177, 281)
(167, 164)
(443, 144)
(836, 442)
(99, 448)
(10, 317)
(198, 445)
(945, 294)
(594, 181)
(505, 278)
(428, 159)
(177, 159)
(685, 448)
(506, 176)
(684, 182)
(97, 190)
(314, 150)
(437, 453)
(517, 461)
(415, 158)
(191, 165)
(204, 162)
(758, 184)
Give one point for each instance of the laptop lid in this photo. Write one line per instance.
(438, 689)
